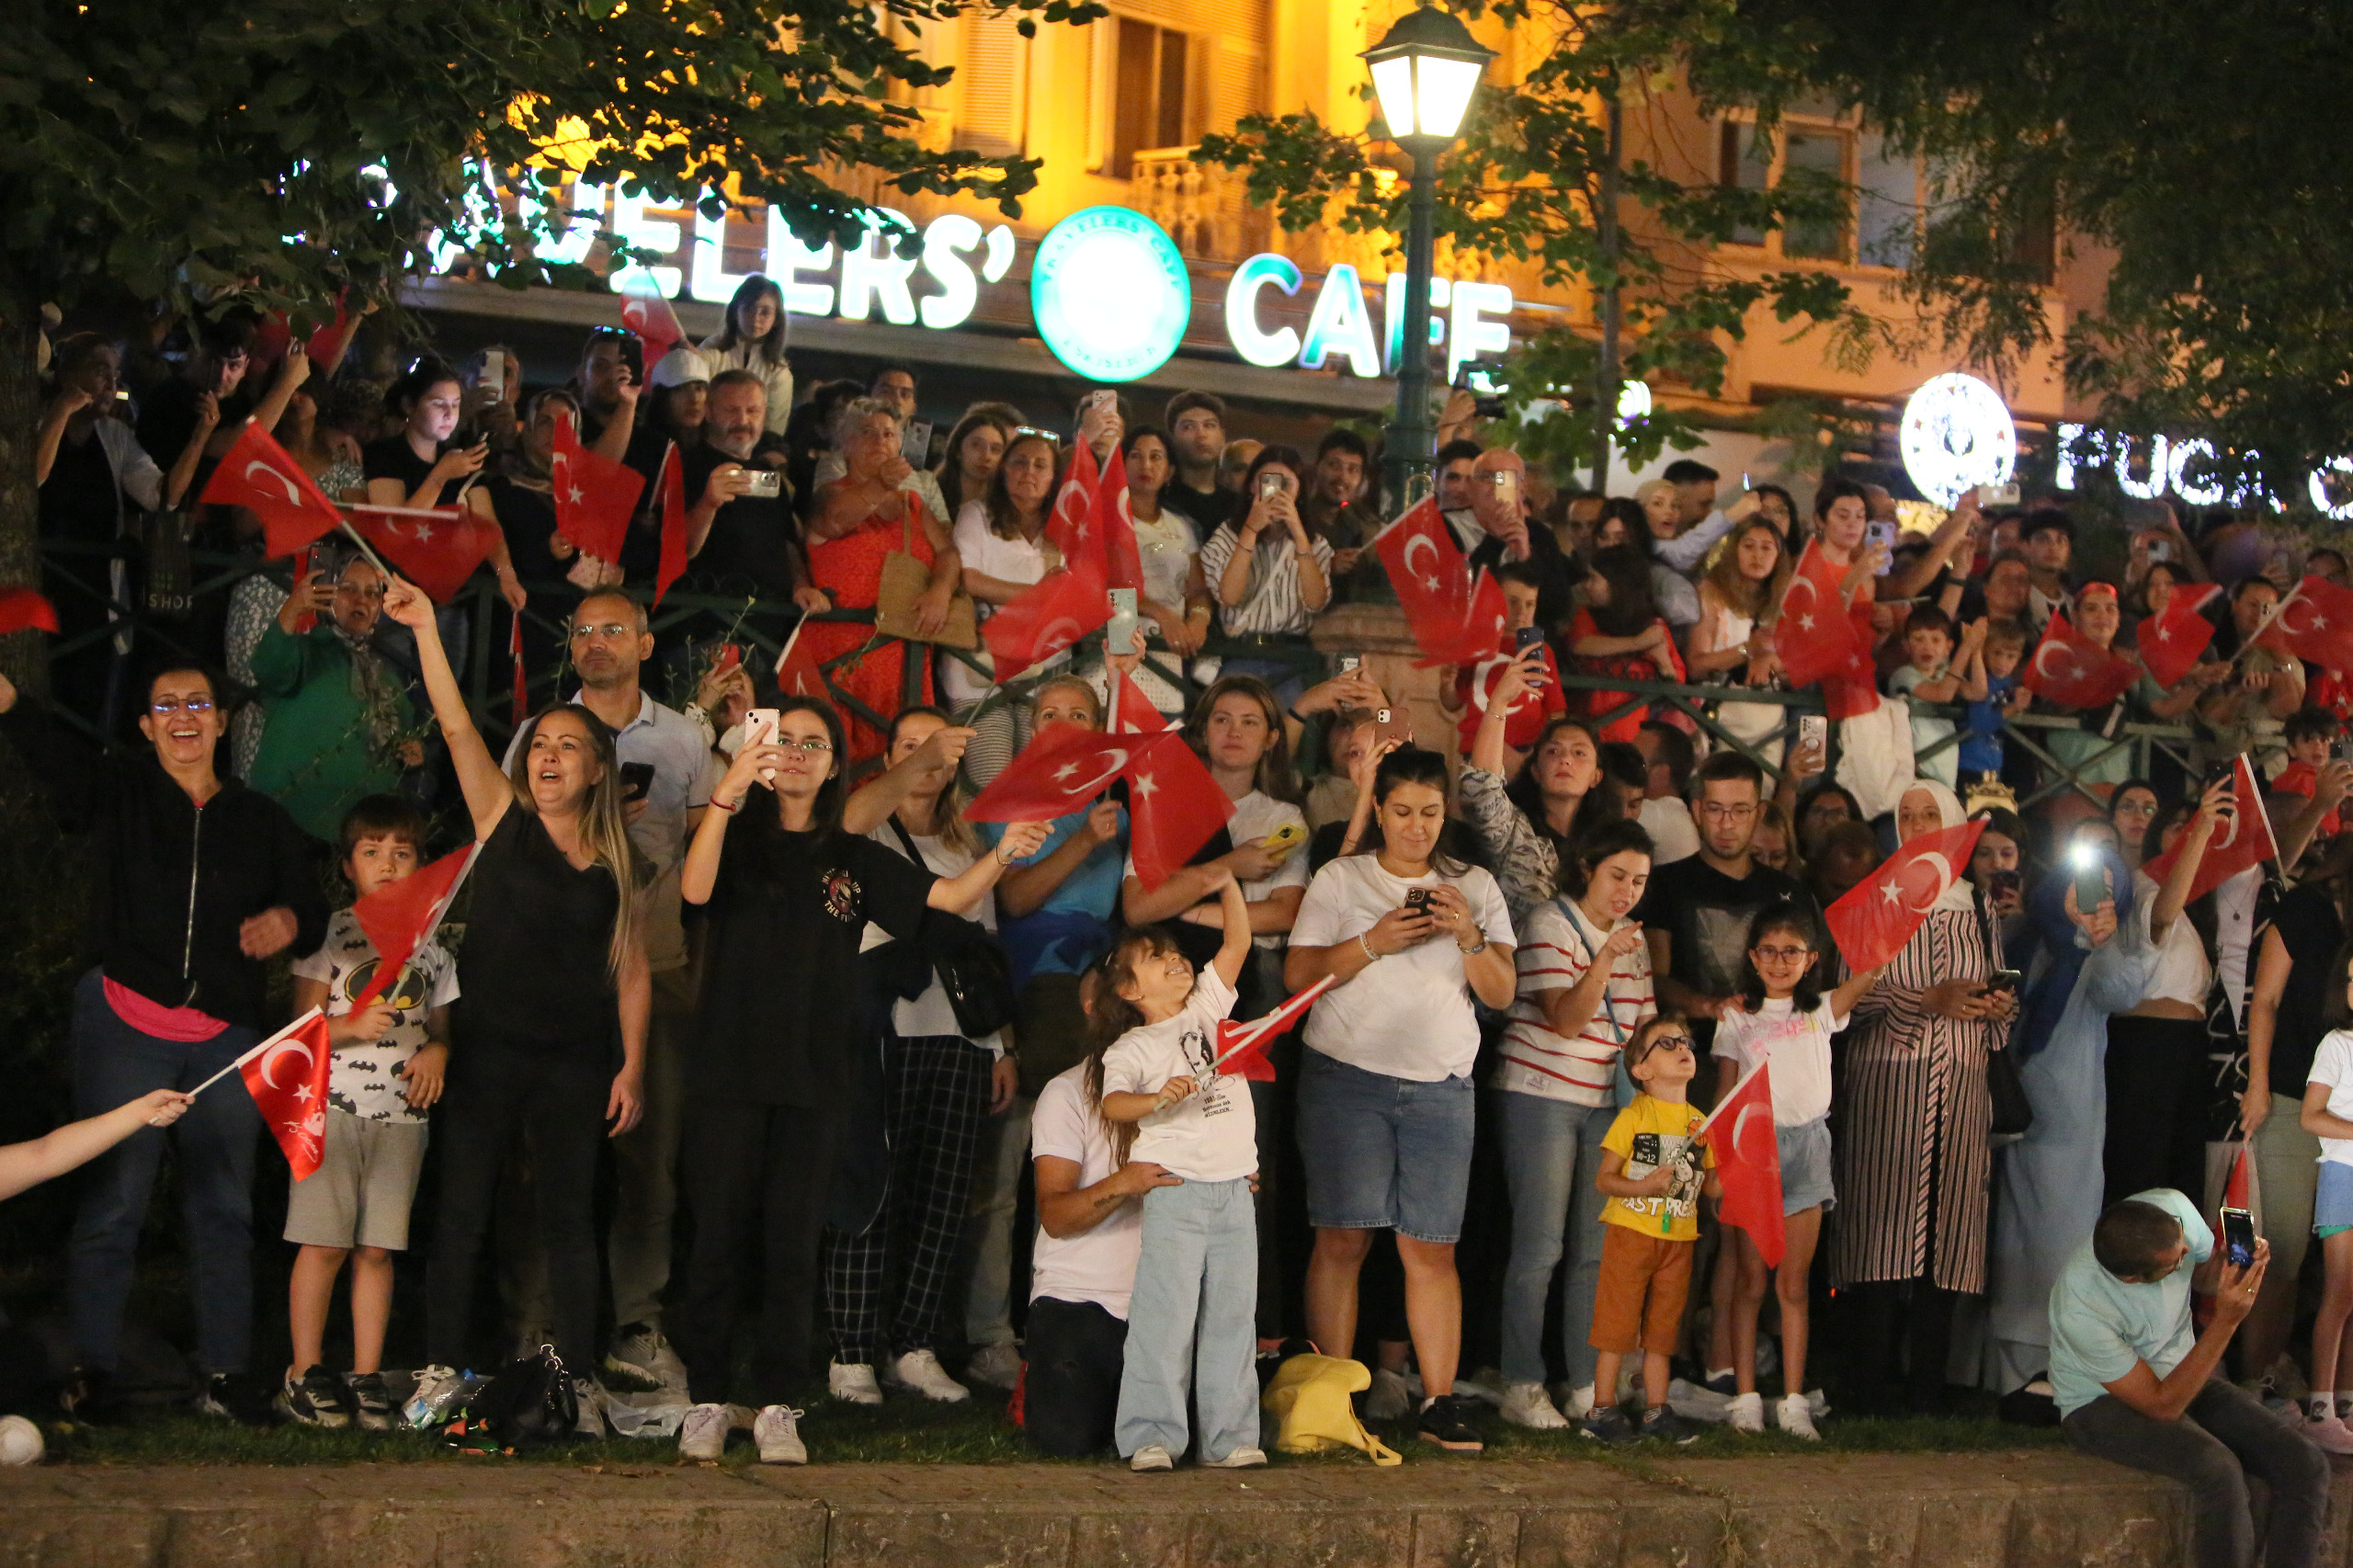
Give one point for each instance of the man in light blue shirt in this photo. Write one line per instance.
(2136, 1383)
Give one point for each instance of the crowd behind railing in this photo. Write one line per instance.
(745, 947)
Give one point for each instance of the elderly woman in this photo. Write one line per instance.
(859, 522)
(339, 723)
(1911, 1156)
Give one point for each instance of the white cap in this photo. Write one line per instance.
(680, 367)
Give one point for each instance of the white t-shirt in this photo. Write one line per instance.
(1098, 1265)
(1673, 835)
(1255, 815)
(1406, 1014)
(1008, 560)
(2182, 973)
(2332, 1065)
(1797, 1044)
(1210, 1135)
(1554, 952)
(932, 1014)
(1166, 547)
(365, 1081)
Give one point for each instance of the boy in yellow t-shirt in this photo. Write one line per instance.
(1653, 1175)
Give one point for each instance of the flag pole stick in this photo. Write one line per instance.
(1262, 1027)
(368, 549)
(257, 1050)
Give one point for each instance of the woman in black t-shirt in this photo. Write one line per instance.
(551, 1033)
(782, 1008)
(419, 468)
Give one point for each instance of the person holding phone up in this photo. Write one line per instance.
(421, 468)
(1270, 575)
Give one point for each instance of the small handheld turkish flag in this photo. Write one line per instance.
(1479, 632)
(1814, 633)
(1748, 1163)
(1242, 1047)
(673, 563)
(22, 608)
(647, 312)
(1058, 773)
(2075, 671)
(595, 496)
(260, 474)
(1046, 617)
(1174, 806)
(401, 918)
(1115, 525)
(797, 672)
(1433, 582)
(2170, 642)
(2239, 841)
(2315, 623)
(1070, 525)
(1132, 712)
(286, 1076)
(436, 550)
(1872, 920)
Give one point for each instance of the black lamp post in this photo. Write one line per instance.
(1425, 72)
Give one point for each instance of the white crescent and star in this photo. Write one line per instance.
(293, 491)
(1429, 544)
(1944, 880)
(1740, 1122)
(1789, 602)
(1063, 775)
(270, 1061)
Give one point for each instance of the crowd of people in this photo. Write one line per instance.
(721, 949)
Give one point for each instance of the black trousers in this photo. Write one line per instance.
(496, 1099)
(757, 1177)
(2224, 1437)
(2157, 1087)
(1070, 1398)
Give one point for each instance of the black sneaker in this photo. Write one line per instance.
(1661, 1423)
(239, 1397)
(1724, 1384)
(314, 1398)
(1607, 1424)
(1442, 1422)
(372, 1404)
(89, 1396)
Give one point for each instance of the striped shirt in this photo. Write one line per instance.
(1271, 601)
(1556, 949)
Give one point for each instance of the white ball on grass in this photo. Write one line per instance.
(20, 1441)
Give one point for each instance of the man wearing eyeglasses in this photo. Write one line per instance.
(1494, 528)
(201, 882)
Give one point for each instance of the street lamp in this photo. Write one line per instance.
(1425, 72)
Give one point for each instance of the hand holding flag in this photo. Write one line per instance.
(286, 1076)
(1433, 582)
(2240, 840)
(2170, 642)
(1242, 1047)
(2075, 671)
(262, 476)
(401, 918)
(595, 496)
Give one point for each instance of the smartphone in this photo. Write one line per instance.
(637, 777)
(2238, 1237)
(494, 375)
(1997, 494)
(1882, 534)
(1417, 899)
(2005, 881)
(2091, 880)
(1392, 724)
(765, 482)
(1119, 633)
(2160, 550)
(1102, 398)
(1284, 840)
(2005, 979)
(759, 730)
(1350, 664)
(1271, 485)
(915, 444)
(1526, 637)
(633, 356)
(1506, 485)
(2219, 773)
(1813, 730)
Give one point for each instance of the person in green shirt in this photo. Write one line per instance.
(340, 724)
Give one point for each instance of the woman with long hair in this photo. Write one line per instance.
(1409, 932)
(975, 446)
(1002, 544)
(550, 1044)
(1620, 633)
(2132, 811)
(1269, 572)
(752, 338)
(787, 904)
(419, 468)
(1733, 644)
(1528, 823)
(1175, 597)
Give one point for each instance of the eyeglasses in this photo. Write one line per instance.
(199, 705)
(807, 742)
(611, 631)
(1783, 955)
(1661, 1041)
(1729, 814)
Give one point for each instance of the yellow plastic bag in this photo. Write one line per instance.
(1309, 1399)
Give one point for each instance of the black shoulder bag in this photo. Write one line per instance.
(969, 960)
(2013, 1112)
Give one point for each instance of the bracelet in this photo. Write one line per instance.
(724, 806)
(1472, 952)
(1370, 956)
(1004, 859)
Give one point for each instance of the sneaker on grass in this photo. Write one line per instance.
(590, 1397)
(854, 1382)
(1795, 1417)
(436, 1389)
(777, 1430)
(921, 1370)
(1151, 1457)
(998, 1365)
(371, 1403)
(1445, 1421)
(1745, 1412)
(1607, 1424)
(703, 1434)
(1576, 1404)
(1661, 1424)
(314, 1398)
(641, 1359)
(1527, 1404)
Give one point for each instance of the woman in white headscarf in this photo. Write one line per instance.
(1913, 1161)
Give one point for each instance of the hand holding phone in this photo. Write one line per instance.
(2238, 1237)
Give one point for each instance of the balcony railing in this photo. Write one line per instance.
(1205, 209)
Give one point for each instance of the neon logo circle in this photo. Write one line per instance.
(1110, 293)
(1957, 433)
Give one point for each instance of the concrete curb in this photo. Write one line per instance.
(2039, 1509)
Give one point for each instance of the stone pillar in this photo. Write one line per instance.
(1378, 633)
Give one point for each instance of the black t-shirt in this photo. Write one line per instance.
(783, 1005)
(1207, 508)
(394, 458)
(78, 500)
(2308, 923)
(1705, 916)
(167, 418)
(753, 537)
(527, 516)
(534, 971)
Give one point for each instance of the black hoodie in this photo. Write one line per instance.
(175, 881)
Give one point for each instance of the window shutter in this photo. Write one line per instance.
(993, 82)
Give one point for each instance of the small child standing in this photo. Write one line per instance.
(2310, 732)
(1937, 672)
(1192, 1317)
(389, 1058)
(1783, 1016)
(2329, 1115)
(1996, 670)
(1651, 1175)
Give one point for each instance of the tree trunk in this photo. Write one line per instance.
(1605, 412)
(23, 657)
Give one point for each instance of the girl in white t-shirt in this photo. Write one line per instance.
(1153, 1070)
(2329, 1115)
(1783, 1016)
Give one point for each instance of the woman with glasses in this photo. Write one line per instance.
(859, 521)
(788, 895)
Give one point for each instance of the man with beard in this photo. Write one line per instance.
(732, 532)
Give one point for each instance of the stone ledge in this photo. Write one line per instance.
(2039, 1509)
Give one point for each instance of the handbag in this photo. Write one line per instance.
(530, 1401)
(969, 963)
(904, 580)
(2013, 1112)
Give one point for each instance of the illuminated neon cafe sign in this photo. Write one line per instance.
(2148, 469)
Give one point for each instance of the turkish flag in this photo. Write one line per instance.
(286, 1076)
(262, 476)
(1070, 524)
(1815, 633)
(797, 674)
(1173, 806)
(401, 918)
(1046, 617)
(1132, 712)
(1748, 1163)
(1874, 919)
(2241, 840)
(2075, 671)
(595, 496)
(436, 550)
(1525, 722)
(1060, 770)
(645, 313)
(1115, 525)
(22, 608)
(325, 344)
(1433, 582)
(1242, 1047)
(1480, 631)
(2170, 643)
(673, 563)
(2315, 623)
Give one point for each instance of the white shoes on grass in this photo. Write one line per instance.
(702, 1437)
(1529, 1406)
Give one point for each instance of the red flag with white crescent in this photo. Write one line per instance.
(287, 1077)
(2239, 841)
(2314, 623)
(1115, 525)
(1479, 633)
(262, 476)
(1059, 772)
(1174, 806)
(2073, 671)
(1748, 1163)
(2170, 643)
(1815, 633)
(401, 918)
(595, 496)
(435, 548)
(646, 313)
(1872, 922)
(1046, 617)
(1242, 1047)
(1070, 524)
(1432, 581)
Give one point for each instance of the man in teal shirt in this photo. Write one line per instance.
(2136, 1383)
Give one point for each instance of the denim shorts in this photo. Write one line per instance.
(1385, 1152)
(1805, 1166)
(2333, 1205)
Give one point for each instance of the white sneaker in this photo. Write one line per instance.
(1578, 1404)
(1244, 1457)
(590, 1394)
(921, 1370)
(998, 1365)
(777, 1431)
(2331, 1433)
(703, 1434)
(1793, 1416)
(437, 1389)
(1527, 1404)
(1152, 1455)
(1745, 1411)
(21, 1442)
(1388, 1399)
(854, 1382)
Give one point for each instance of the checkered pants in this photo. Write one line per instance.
(936, 1088)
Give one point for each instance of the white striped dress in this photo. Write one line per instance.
(1914, 1117)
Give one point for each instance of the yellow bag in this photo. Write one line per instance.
(1309, 1399)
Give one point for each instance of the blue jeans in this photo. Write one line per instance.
(214, 1143)
(1192, 1323)
(1385, 1152)
(1287, 680)
(1551, 1156)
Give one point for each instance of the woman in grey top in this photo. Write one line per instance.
(1528, 822)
